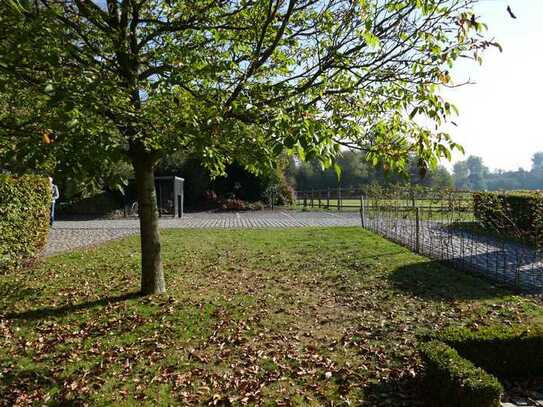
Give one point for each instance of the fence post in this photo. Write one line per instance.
(362, 211)
(417, 230)
(319, 192)
(338, 198)
(305, 199)
(328, 198)
(312, 197)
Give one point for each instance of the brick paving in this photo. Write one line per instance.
(536, 401)
(69, 235)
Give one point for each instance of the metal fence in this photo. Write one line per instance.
(330, 198)
(440, 225)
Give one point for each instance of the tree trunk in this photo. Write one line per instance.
(152, 274)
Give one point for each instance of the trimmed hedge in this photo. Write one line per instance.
(24, 219)
(515, 214)
(462, 365)
(506, 352)
(452, 381)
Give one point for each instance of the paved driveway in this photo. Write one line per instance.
(68, 235)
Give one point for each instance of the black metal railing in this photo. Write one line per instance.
(440, 225)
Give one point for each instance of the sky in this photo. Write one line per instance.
(501, 114)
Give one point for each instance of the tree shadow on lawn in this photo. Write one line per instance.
(30, 384)
(405, 391)
(436, 280)
(69, 308)
(12, 292)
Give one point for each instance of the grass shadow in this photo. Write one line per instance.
(398, 392)
(46, 312)
(28, 383)
(12, 292)
(436, 280)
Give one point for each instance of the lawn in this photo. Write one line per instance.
(269, 317)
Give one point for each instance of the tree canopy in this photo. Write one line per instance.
(231, 80)
(357, 171)
(473, 174)
(468, 174)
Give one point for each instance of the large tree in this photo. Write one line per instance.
(236, 80)
(471, 174)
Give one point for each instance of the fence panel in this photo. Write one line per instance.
(440, 225)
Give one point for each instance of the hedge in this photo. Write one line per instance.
(453, 381)
(517, 215)
(102, 204)
(24, 219)
(504, 351)
(461, 365)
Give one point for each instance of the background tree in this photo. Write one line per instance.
(537, 161)
(536, 173)
(357, 171)
(470, 174)
(460, 173)
(204, 192)
(473, 174)
(236, 80)
(477, 173)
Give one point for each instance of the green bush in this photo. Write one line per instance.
(453, 381)
(518, 215)
(460, 363)
(503, 351)
(103, 204)
(24, 219)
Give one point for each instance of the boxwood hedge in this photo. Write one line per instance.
(518, 214)
(503, 351)
(24, 219)
(453, 381)
(462, 366)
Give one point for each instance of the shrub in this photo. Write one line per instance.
(256, 206)
(285, 192)
(233, 204)
(105, 203)
(518, 214)
(24, 219)
(455, 359)
(452, 381)
(210, 196)
(503, 351)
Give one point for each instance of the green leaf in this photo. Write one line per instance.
(371, 39)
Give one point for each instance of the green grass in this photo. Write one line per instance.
(301, 316)
(354, 204)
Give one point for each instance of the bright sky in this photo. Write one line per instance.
(500, 116)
